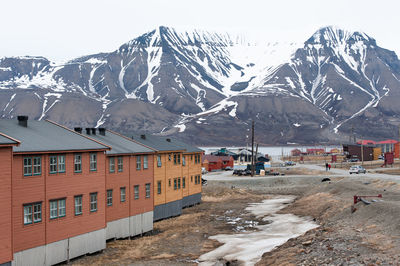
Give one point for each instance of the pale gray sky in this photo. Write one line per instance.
(64, 29)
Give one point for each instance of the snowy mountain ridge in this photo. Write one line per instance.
(199, 76)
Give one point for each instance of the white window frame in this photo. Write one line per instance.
(53, 164)
(78, 204)
(112, 164)
(123, 194)
(93, 161)
(61, 163)
(109, 197)
(136, 192)
(138, 162)
(120, 164)
(145, 162)
(93, 202)
(28, 168)
(148, 191)
(78, 163)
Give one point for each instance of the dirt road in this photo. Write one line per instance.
(369, 236)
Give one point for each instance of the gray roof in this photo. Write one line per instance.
(160, 143)
(41, 136)
(185, 146)
(157, 143)
(5, 140)
(120, 144)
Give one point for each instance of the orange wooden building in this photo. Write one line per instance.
(65, 192)
(177, 174)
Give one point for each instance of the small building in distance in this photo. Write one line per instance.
(215, 163)
(315, 151)
(352, 151)
(387, 145)
(295, 152)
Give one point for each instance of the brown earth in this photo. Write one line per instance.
(369, 236)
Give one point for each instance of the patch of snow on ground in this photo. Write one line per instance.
(248, 248)
(181, 127)
(296, 124)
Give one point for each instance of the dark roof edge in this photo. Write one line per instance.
(11, 138)
(98, 142)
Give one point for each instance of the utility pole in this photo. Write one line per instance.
(252, 148)
(362, 153)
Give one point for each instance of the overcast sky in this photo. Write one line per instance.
(64, 29)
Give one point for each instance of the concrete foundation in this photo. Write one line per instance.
(118, 228)
(141, 223)
(63, 250)
(167, 210)
(191, 200)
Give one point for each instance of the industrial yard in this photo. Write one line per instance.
(345, 233)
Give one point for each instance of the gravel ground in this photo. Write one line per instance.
(368, 236)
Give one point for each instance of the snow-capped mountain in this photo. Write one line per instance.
(201, 83)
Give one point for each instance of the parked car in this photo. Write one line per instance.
(353, 160)
(357, 169)
(228, 168)
(290, 163)
(381, 157)
(203, 170)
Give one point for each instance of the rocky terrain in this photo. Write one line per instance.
(198, 83)
(367, 236)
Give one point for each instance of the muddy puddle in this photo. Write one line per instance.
(248, 247)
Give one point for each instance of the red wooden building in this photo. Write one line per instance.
(215, 163)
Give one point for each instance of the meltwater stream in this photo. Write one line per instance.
(248, 248)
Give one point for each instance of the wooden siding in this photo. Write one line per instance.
(46, 187)
(141, 177)
(115, 181)
(6, 253)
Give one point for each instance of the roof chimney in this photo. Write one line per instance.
(102, 131)
(23, 120)
(143, 136)
(78, 129)
(93, 131)
(169, 140)
(88, 131)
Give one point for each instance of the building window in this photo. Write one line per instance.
(183, 160)
(93, 162)
(145, 162)
(169, 157)
(123, 194)
(175, 184)
(120, 164)
(109, 197)
(37, 212)
(191, 179)
(174, 158)
(78, 204)
(78, 163)
(57, 208)
(61, 163)
(93, 202)
(57, 164)
(53, 164)
(183, 182)
(169, 182)
(158, 187)
(148, 190)
(27, 166)
(136, 192)
(28, 214)
(138, 162)
(179, 183)
(159, 161)
(112, 164)
(32, 213)
(195, 158)
(191, 157)
(179, 159)
(37, 165)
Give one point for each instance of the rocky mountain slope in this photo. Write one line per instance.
(206, 87)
